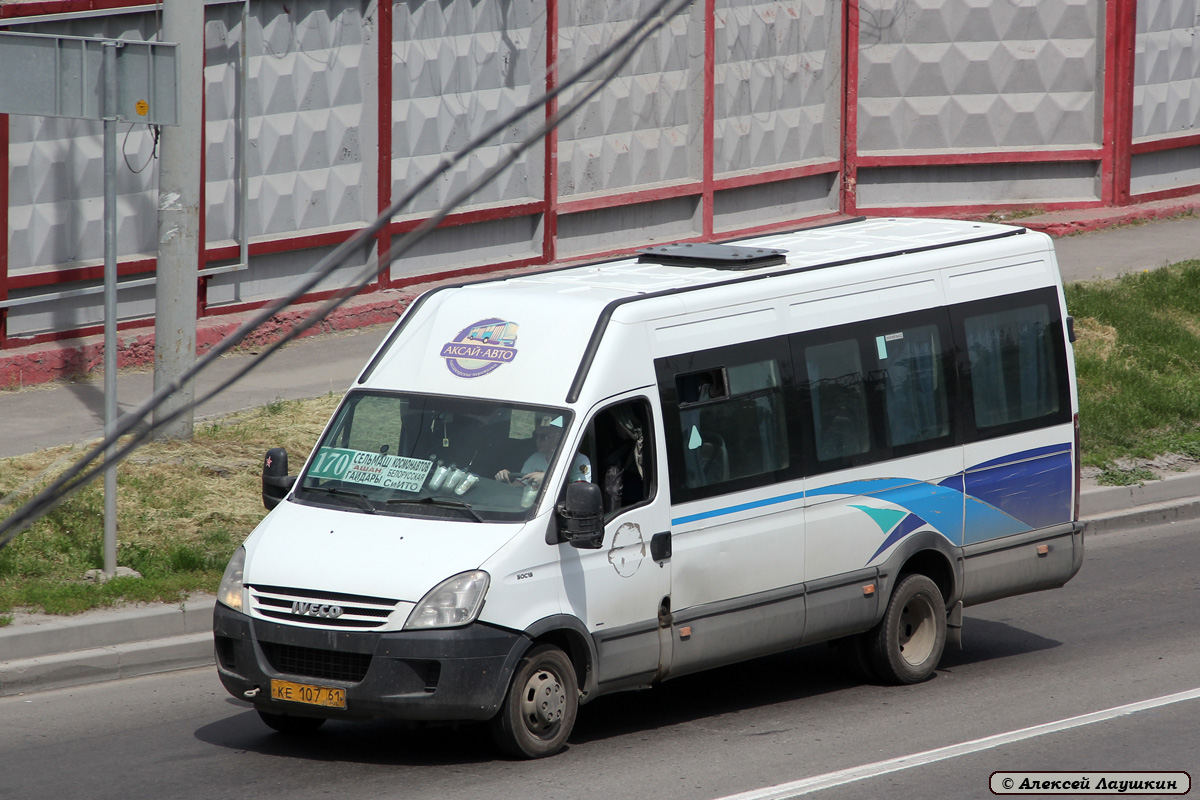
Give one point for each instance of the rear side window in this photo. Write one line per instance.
(837, 389)
(878, 389)
(913, 384)
(1014, 365)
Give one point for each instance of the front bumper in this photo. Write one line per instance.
(450, 674)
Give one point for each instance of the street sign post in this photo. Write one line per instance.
(114, 80)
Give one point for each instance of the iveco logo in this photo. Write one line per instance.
(316, 610)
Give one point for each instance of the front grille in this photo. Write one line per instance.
(323, 609)
(310, 662)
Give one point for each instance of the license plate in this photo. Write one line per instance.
(326, 696)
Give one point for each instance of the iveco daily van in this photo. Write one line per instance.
(545, 488)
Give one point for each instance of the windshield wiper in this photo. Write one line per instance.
(441, 502)
(360, 499)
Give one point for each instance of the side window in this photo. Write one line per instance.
(879, 389)
(912, 380)
(1014, 364)
(732, 423)
(619, 446)
(838, 397)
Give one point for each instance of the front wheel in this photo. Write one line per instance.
(540, 708)
(907, 644)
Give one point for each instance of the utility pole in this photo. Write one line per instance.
(179, 244)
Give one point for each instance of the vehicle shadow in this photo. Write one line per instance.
(985, 640)
(373, 743)
(792, 677)
(795, 676)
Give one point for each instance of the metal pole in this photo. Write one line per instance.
(110, 300)
(177, 294)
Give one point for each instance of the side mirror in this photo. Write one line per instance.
(276, 483)
(582, 515)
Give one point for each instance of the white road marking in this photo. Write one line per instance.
(816, 783)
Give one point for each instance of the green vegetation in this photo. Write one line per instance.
(185, 506)
(1137, 358)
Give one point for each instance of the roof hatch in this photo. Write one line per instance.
(712, 256)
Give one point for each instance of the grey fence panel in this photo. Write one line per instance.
(312, 103)
(458, 67)
(645, 128)
(1166, 91)
(777, 84)
(962, 75)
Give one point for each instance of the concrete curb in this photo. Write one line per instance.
(84, 667)
(44, 652)
(1142, 516)
(1096, 501)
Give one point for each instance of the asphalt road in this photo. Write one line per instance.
(1127, 629)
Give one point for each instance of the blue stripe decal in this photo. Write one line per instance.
(1024, 455)
(1035, 484)
(909, 524)
(720, 512)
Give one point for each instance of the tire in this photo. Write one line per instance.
(907, 644)
(541, 705)
(293, 726)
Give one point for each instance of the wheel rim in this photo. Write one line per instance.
(543, 701)
(918, 630)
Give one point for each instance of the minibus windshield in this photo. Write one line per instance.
(466, 459)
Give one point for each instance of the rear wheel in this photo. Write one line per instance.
(540, 708)
(288, 724)
(907, 644)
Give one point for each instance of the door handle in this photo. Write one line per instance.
(660, 546)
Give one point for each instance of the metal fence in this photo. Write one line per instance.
(739, 116)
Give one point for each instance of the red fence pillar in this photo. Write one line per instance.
(1120, 45)
(4, 225)
(849, 137)
(383, 170)
(550, 146)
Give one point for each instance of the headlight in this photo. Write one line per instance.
(230, 591)
(454, 601)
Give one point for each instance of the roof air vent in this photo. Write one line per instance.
(712, 256)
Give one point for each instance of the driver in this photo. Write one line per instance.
(546, 438)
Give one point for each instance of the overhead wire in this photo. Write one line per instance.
(79, 474)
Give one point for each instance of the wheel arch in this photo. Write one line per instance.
(932, 555)
(568, 634)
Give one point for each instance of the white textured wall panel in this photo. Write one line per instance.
(645, 127)
(970, 74)
(458, 68)
(777, 83)
(312, 117)
(1166, 91)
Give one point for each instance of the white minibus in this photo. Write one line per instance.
(549, 487)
